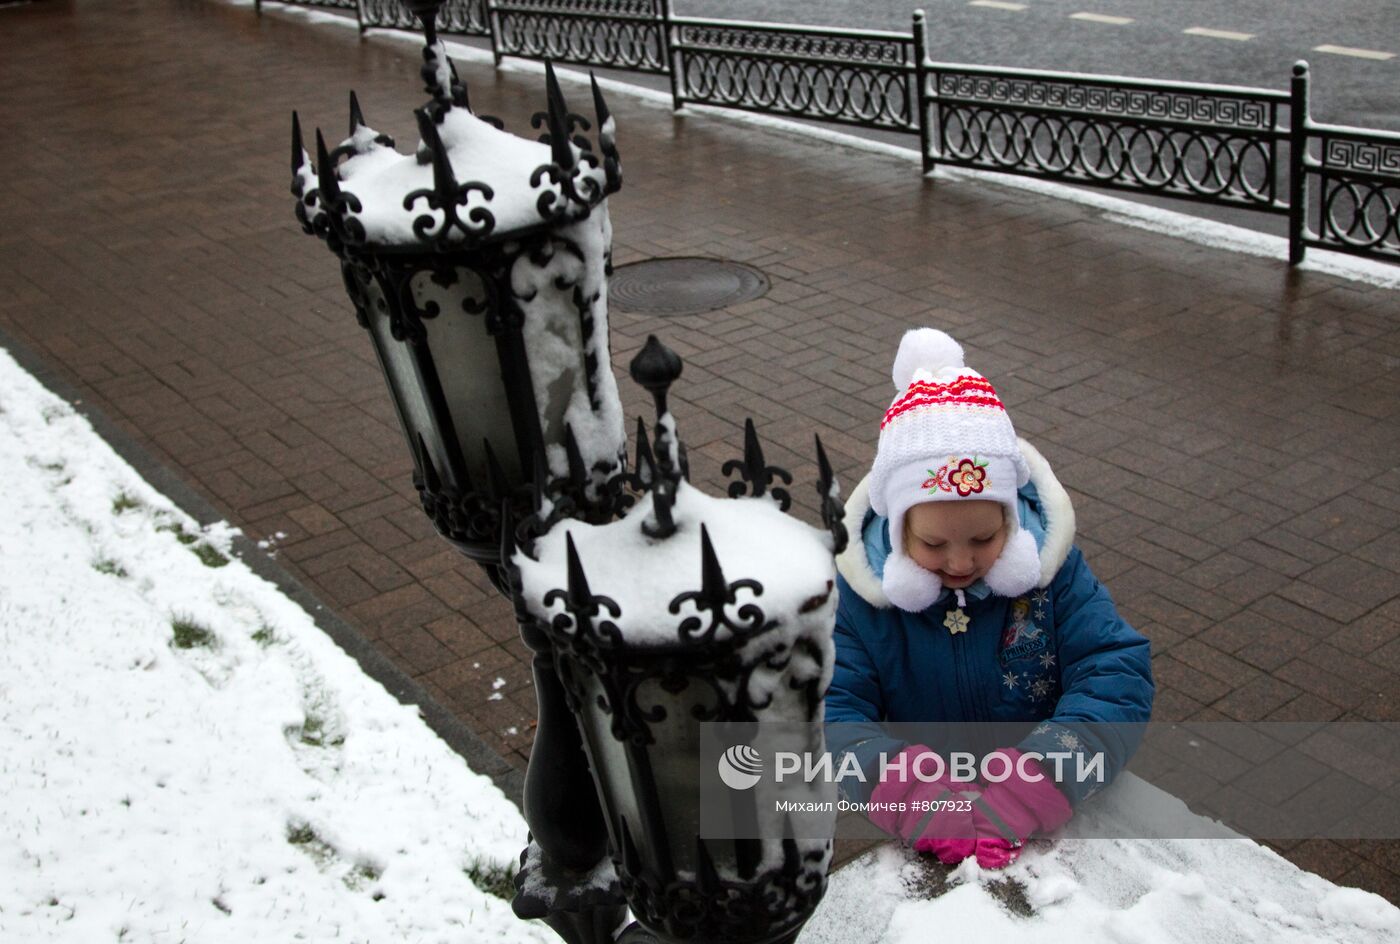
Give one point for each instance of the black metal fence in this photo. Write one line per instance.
(857, 77)
(1254, 149)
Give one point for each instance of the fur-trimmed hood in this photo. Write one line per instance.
(1045, 498)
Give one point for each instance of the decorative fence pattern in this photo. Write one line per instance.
(1178, 140)
(1356, 200)
(859, 77)
(619, 34)
(462, 17)
(1254, 149)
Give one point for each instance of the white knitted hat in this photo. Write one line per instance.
(946, 437)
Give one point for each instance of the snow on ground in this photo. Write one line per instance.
(184, 755)
(1202, 890)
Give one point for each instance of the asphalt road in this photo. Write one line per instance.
(1347, 89)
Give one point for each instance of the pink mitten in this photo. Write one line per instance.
(923, 813)
(1010, 812)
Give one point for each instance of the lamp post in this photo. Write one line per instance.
(478, 266)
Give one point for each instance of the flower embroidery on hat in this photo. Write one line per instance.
(969, 477)
(937, 481)
(965, 476)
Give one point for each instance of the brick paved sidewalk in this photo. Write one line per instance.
(1228, 429)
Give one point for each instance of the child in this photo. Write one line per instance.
(964, 599)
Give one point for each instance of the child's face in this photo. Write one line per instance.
(958, 541)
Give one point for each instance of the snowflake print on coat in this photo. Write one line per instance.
(1010, 679)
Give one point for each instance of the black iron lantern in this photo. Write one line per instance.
(478, 266)
(661, 640)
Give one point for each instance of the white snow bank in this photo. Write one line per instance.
(1127, 891)
(255, 786)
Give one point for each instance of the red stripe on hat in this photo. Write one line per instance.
(958, 383)
(911, 403)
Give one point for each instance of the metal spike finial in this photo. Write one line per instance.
(560, 149)
(713, 586)
(578, 472)
(756, 475)
(825, 477)
(459, 88)
(444, 183)
(646, 462)
(829, 494)
(600, 107)
(298, 151)
(607, 140)
(580, 595)
(655, 368)
(325, 172)
(357, 117)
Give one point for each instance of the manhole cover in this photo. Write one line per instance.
(684, 285)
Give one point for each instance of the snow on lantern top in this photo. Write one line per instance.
(469, 182)
(654, 591)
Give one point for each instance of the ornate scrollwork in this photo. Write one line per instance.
(716, 596)
(794, 42)
(1360, 196)
(462, 17)
(712, 908)
(848, 82)
(1223, 166)
(1361, 214)
(1212, 108)
(623, 34)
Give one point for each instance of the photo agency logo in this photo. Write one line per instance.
(740, 767)
(1184, 780)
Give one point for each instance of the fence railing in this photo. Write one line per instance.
(1248, 148)
(1173, 139)
(461, 17)
(859, 77)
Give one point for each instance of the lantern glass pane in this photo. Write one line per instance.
(673, 759)
(405, 384)
(469, 370)
(612, 768)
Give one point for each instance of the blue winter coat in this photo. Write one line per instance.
(1060, 654)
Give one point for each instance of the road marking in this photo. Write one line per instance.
(1102, 18)
(1354, 52)
(1218, 34)
(997, 5)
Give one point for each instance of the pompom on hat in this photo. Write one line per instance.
(947, 437)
